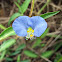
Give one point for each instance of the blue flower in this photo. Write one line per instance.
(29, 26)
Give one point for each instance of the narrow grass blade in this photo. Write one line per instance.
(47, 15)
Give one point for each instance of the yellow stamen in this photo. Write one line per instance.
(28, 31)
(32, 30)
(31, 35)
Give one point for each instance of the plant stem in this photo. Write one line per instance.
(32, 6)
(43, 7)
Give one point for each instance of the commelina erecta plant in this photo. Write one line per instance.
(29, 26)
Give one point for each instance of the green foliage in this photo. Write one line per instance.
(9, 32)
(15, 15)
(22, 46)
(37, 43)
(47, 54)
(2, 27)
(18, 58)
(24, 6)
(27, 60)
(8, 59)
(42, 45)
(20, 10)
(30, 54)
(18, 50)
(3, 54)
(47, 15)
(44, 34)
(58, 57)
(44, 6)
(18, 1)
(15, 53)
(6, 33)
(57, 46)
(7, 44)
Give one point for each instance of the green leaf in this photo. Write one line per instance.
(22, 46)
(3, 54)
(8, 59)
(18, 1)
(27, 60)
(18, 50)
(47, 15)
(20, 10)
(58, 57)
(7, 44)
(18, 58)
(2, 27)
(57, 46)
(15, 15)
(37, 43)
(44, 34)
(6, 33)
(30, 54)
(42, 45)
(15, 53)
(47, 54)
(24, 6)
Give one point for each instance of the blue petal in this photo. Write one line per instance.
(39, 25)
(20, 25)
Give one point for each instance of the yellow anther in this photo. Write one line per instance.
(31, 35)
(32, 30)
(28, 31)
